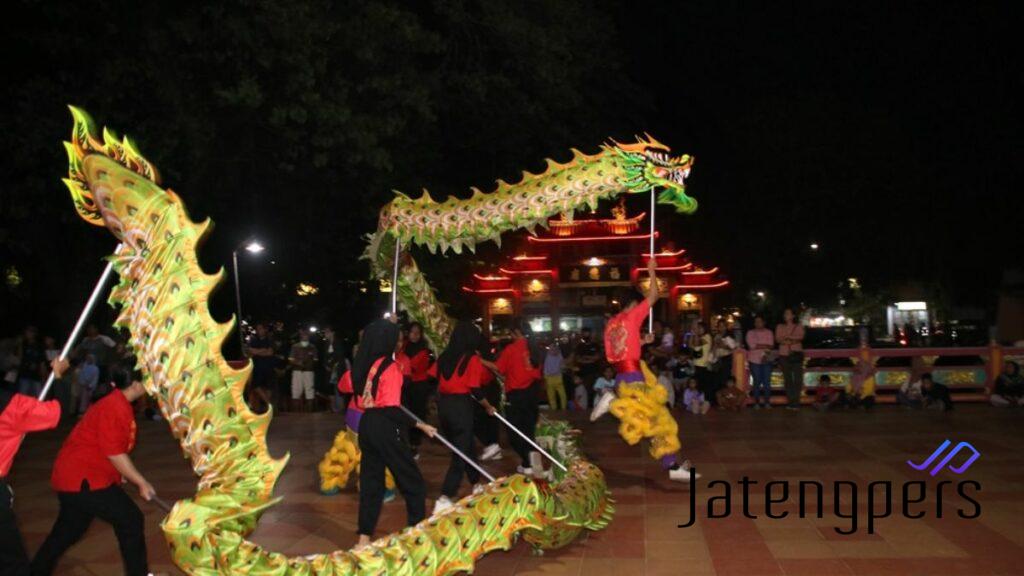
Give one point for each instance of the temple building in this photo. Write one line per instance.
(568, 276)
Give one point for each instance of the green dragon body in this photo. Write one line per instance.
(163, 295)
(458, 223)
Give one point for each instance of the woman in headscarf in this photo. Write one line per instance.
(419, 387)
(461, 375)
(377, 388)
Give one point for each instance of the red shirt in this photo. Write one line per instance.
(404, 363)
(107, 429)
(475, 376)
(514, 364)
(389, 387)
(419, 366)
(622, 334)
(20, 414)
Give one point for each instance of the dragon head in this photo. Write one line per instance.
(649, 164)
(109, 180)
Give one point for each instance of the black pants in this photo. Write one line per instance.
(456, 414)
(522, 413)
(77, 510)
(706, 382)
(383, 446)
(415, 397)
(13, 558)
(484, 426)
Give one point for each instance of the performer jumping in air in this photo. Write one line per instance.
(419, 386)
(19, 414)
(461, 374)
(622, 344)
(377, 383)
(522, 411)
(87, 477)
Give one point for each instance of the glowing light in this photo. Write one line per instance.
(594, 261)
(490, 278)
(814, 245)
(760, 294)
(592, 238)
(313, 329)
(854, 283)
(254, 247)
(908, 306)
(689, 298)
(536, 286)
(305, 289)
(384, 285)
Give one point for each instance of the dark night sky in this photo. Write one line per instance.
(889, 135)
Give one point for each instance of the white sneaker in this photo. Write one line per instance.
(479, 489)
(442, 504)
(491, 452)
(601, 407)
(682, 474)
(524, 471)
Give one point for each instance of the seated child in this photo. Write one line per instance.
(606, 382)
(1008, 389)
(681, 371)
(665, 380)
(693, 398)
(860, 392)
(731, 397)
(910, 394)
(935, 395)
(579, 395)
(825, 396)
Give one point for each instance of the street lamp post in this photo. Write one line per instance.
(252, 247)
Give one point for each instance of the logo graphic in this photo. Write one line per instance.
(956, 469)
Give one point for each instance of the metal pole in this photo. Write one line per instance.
(531, 442)
(650, 316)
(238, 302)
(452, 448)
(394, 279)
(104, 278)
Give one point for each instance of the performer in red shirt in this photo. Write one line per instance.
(87, 477)
(522, 411)
(622, 347)
(461, 376)
(377, 385)
(19, 414)
(419, 386)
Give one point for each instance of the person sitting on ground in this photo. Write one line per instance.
(825, 396)
(860, 392)
(693, 398)
(87, 476)
(936, 395)
(731, 397)
(606, 382)
(682, 371)
(910, 394)
(665, 380)
(579, 394)
(1008, 389)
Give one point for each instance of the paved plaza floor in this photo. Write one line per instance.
(644, 538)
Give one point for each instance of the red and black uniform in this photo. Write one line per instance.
(456, 401)
(522, 410)
(417, 362)
(381, 441)
(19, 414)
(88, 486)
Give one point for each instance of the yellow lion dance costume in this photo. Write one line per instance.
(642, 410)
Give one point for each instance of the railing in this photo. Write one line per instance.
(967, 383)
